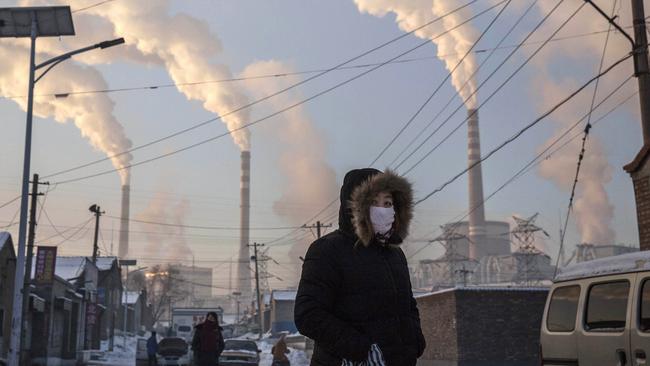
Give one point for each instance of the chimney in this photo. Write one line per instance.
(243, 267)
(477, 212)
(123, 249)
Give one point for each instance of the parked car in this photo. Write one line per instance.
(141, 357)
(240, 353)
(174, 351)
(598, 313)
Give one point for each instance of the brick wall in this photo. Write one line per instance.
(438, 321)
(7, 277)
(496, 325)
(480, 326)
(642, 194)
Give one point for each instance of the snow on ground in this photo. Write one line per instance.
(121, 355)
(125, 356)
(296, 357)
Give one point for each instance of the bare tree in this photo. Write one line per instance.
(164, 287)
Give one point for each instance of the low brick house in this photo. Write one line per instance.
(482, 326)
(7, 277)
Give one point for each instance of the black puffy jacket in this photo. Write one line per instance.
(355, 291)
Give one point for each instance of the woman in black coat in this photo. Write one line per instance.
(355, 289)
(207, 342)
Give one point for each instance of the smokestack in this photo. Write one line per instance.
(477, 212)
(123, 249)
(243, 268)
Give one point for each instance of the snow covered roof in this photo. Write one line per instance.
(69, 267)
(105, 263)
(284, 295)
(624, 263)
(130, 297)
(5, 238)
(483, 288)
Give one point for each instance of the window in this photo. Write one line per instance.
(607, 307)
(563, 309)
(644, 321)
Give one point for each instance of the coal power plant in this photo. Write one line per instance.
(480, 251)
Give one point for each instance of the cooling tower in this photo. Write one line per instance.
(477, 212)
(243, 268)
(123, 249)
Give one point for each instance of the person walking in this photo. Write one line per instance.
(152, 349)
(279, 352)
(354, 297)
(207, 343)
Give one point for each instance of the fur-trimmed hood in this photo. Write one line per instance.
(363, 195)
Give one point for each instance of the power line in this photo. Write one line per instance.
(276, 93)
(536, 160)
(510, 77)
(292, 106)
(78, 227)
(526, 128)
(453, 97)
(9, 202)
(92, 6)
(201, 227)
(152, 87)
(440, 85)
(582, 148)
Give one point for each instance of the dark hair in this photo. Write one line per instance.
(214, 314)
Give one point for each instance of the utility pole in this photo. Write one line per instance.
(98, 212)
(28, 261)
(318, 227)
(642, 73)
(641, 69)
(257, 286)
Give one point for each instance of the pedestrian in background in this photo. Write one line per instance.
(354, 298)
(207, 342)
(152, 349)
(280, 351)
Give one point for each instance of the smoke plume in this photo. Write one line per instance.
(310, 182)
(593, 211)
(453, 45)
(167, 241)
(187, 49)
(92, 114)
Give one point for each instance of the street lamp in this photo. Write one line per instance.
(33, 22)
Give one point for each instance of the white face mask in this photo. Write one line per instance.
(382, 219)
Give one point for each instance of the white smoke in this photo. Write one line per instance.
(593, 210)
(310, 180)
(167, 241)
(450, 48)
(187, 48)
(92, 114)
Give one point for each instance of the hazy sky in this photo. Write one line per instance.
(299, 157)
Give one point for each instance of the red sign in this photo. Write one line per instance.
(45, 263)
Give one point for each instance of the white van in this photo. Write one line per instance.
(598, 314)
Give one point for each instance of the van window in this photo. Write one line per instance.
(607, 307)
(563, 309)
(184, 328)
(644, 322)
